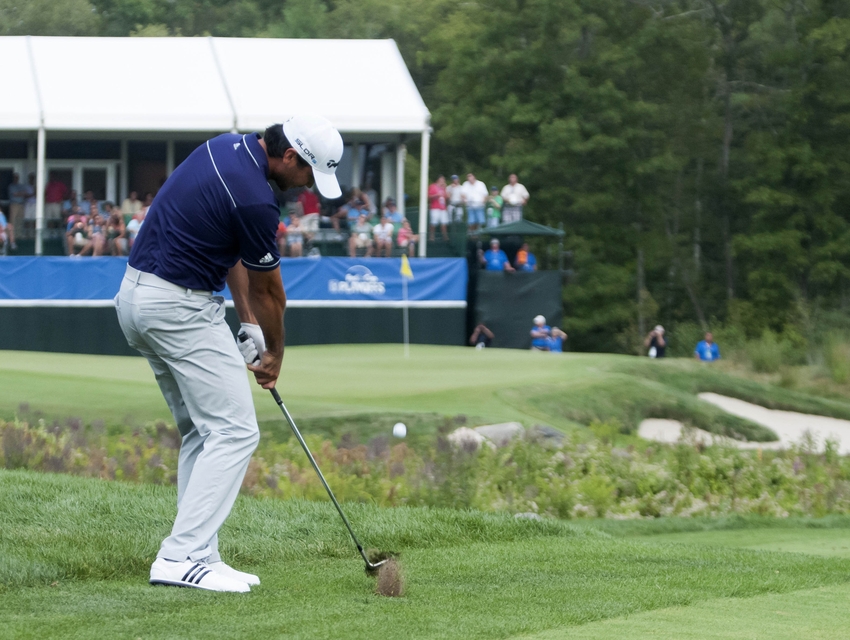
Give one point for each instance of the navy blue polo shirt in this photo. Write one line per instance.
(216, 208)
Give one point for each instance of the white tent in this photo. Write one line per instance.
(208, 85)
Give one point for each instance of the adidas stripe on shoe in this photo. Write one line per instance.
(197, 575)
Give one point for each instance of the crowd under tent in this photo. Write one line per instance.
(118, 114)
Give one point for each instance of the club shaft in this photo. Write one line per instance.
(318, 471)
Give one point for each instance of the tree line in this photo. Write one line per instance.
(696, 151)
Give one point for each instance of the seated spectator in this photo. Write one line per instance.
(707, 350)
(383, 233)
(495, 259)
(131, 205)
(69, 203)
(356, 208)
(407, 239)
(97, 234)
(391, 211)
(54, 194)
(295, 238)
(541, 335)
(482, 337)
(77, 233)
(146, 204)
(655, 342)
(90, 201)
(116, 232)
(8, 232)
(361, 237)
(494, 207)
(525, 260)
(133, 228)
(556, 342)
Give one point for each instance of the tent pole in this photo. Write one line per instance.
(423, 192)
(39, 191)
(169, 158)
(355, 166)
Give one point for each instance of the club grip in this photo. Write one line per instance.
(242, 336)
(276, 395)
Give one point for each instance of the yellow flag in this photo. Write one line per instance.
(405, 267)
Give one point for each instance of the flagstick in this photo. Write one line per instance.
(406, 319)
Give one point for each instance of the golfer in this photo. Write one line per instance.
(215, 220)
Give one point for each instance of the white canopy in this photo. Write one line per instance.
(205, 84)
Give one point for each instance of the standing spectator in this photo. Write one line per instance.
(525, 260)
(54, 194)
(356, 208)
(455, 194)
(295, 238)
(407, 239)
(17, 197)
(556, 342)
(116, 231)
(495, 259)
(69, 203)
(361, 237)
(707, 350)
(494, 207)
(371, 196)
(482, 337)
(131, 205)
(474, 194)
(310, 211)
(392, 212)
(133, 228)
(437, 196)
(29, 200)
(655, 342)
(516, 196)
(146, 205)
(383, 233)
(541, 335)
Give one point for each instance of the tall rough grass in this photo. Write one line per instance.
(574, 480)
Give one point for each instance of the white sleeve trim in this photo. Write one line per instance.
(260, 267)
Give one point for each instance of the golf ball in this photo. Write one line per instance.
(399, 430)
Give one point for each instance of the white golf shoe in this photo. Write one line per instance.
(225, 570)
(197, 575)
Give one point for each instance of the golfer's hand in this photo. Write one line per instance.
(251, 342)
(267, 370)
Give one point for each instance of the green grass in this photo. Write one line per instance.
(75, 554)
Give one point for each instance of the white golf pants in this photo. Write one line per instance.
(202, 376)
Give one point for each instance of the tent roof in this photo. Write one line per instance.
(206, 84)
(522, 228)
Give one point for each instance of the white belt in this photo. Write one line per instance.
(150, 280)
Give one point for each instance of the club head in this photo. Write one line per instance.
(372, 567)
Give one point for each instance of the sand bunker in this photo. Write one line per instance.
(789, 426)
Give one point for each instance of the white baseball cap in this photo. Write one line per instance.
(539, 320)
(318, 142)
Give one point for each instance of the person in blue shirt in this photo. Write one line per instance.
(215, 220)
(525, 260)
(541, 335)
(707, 350)
(495, 259)
(556, 342)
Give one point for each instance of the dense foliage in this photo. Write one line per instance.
(695, 150)
(574, 480)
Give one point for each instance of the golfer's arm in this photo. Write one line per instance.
(237, 282)
(267, 302)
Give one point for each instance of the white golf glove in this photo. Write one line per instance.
(253, 346)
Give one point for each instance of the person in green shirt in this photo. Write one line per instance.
(494, 207)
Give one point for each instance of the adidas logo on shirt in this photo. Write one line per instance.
(266, 259)
(236, 145)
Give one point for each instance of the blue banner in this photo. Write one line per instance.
(322, 281)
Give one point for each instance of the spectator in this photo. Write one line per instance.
(361, 237)
(541, 335)
(97, 233)
(437, 196)
(356, 208)
(494, 207)
(310, 211)
(525, 260)
(407, 239)
(280, 238)
(69, 203)
(455, 194)
(383, 233)
(29, 200)
(131, 205)
(371, 196)
(17, 198)
(54, 195)
(133, 228)
(90, 201)
(474, 193)
(482, 337)
(77, 233)
(146, 205)
(556, 342)
(495, 259)
(116, 231)
(295, 238)
(707, 350)
(392, 212)
(4, 233)
(655, 342)
(516, 197)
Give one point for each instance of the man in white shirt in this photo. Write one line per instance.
(454, 192)
(474, 194)
(515, 196)
(383, 233)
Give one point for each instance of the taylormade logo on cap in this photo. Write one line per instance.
(318, 142)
